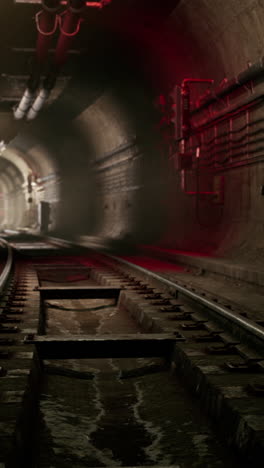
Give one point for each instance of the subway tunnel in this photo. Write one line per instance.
(148, 146)
(100, 138)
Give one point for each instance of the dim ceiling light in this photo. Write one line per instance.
(2, 146)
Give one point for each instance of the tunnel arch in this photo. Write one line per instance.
(13, 194)
(201, 39)
(104, 134)
(17, 159)
(31, 167)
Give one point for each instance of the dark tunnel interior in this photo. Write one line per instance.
(108, 151)
(131, 233)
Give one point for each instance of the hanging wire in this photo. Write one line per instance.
(74, 33)
(44, 33)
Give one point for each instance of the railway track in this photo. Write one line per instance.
(105, 363)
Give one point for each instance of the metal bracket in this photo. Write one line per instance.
(143, 290)
(184, 316)
(245, 367)
(173, 308)
(222, 350)
(193, 326)
(162, 302)
(153, 296)
(213, 336)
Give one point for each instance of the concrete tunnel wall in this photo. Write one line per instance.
(219, 40)
(12, 199)
(114, 182)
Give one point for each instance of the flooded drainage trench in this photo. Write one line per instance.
(115, 411)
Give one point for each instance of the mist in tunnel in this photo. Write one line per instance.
(103, 161)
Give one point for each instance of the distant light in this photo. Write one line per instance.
(2, 146)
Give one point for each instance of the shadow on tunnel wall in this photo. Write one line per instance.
(113, 66)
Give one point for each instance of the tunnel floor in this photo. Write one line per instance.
(111, 411)
(117, 412)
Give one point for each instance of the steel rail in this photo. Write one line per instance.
(8, 266)
(244, 323)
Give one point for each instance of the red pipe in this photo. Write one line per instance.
(69, 27)
(47, 22)
(70, 23)
(186, 103)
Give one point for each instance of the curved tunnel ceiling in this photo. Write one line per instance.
(10, 171)
(163, 41)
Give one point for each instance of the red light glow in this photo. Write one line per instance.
(171, 251)
(153, 264)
